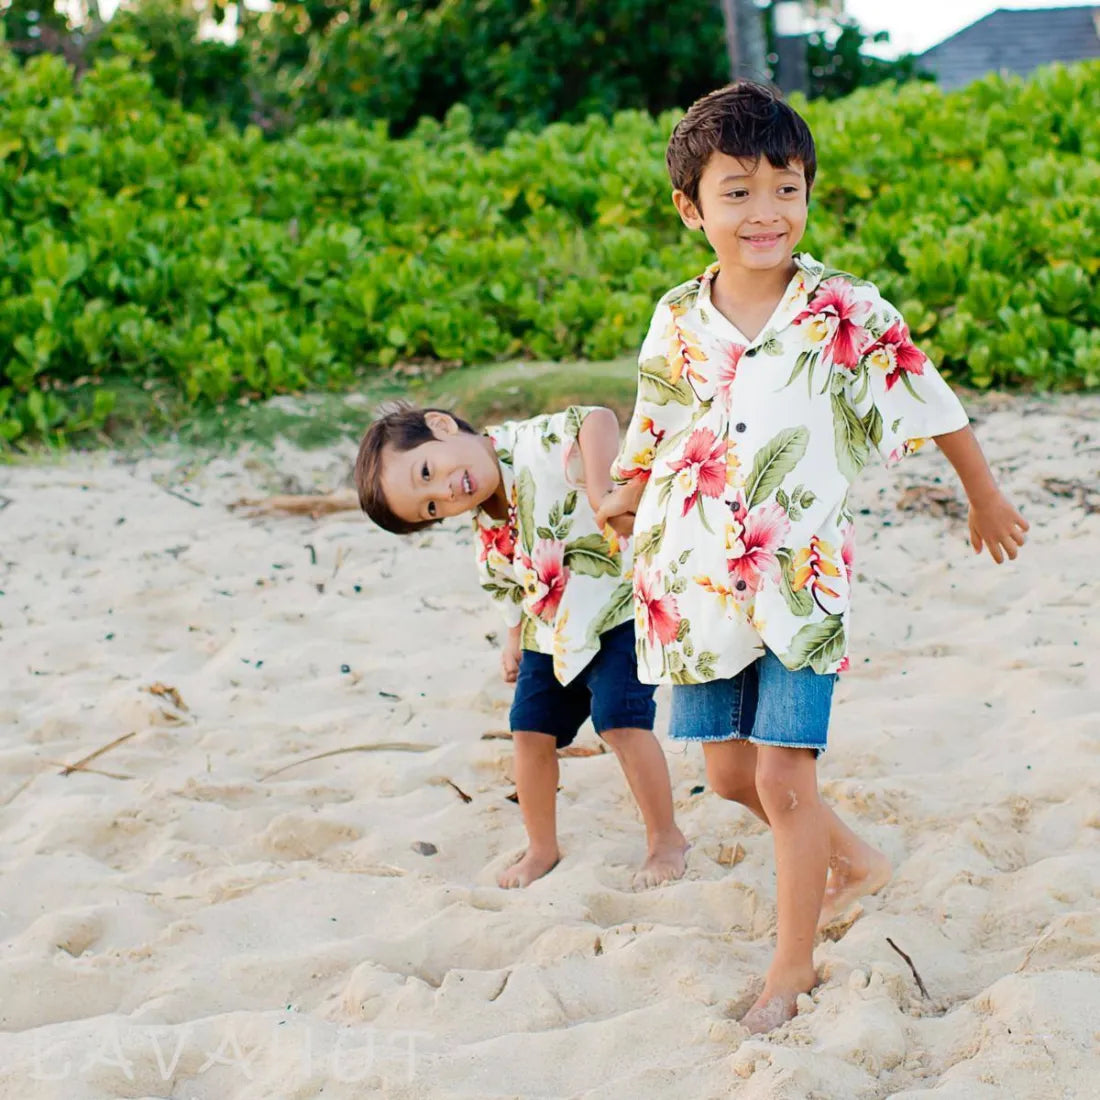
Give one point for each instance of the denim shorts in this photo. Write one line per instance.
(607, 690)
(765, 703)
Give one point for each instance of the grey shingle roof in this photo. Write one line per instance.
(1015, 41)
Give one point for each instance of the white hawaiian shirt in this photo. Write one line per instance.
(743, 537)
(547, 565)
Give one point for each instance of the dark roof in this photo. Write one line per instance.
(1015, 41)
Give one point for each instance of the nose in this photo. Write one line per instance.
(764, 210)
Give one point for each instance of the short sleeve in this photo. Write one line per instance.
(645, 431)
(896, 391)
(572, 464)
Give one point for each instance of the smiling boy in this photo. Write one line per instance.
(764, 386)
(532, 487)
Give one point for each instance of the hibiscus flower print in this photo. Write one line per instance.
(656, 613)
(837, 304)
(702, 470)
(752, 540)
(727, 371)
(544, 578)
(497, 542)
(896, 354)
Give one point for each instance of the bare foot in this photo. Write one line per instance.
(665, 862)
(849, 881)
(778, 1003)
(530, 866)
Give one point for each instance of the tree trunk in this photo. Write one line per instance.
(745, 43)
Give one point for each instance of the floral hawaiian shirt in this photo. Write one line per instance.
(743, 536)
(547, 565)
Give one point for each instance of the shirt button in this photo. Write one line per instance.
(741, 426)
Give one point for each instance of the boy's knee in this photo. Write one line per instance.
(786, 778)
(736, 784)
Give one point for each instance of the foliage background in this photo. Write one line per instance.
(150, 247)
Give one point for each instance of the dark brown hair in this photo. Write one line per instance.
(744, 120)
(403, 427)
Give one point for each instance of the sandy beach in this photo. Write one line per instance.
(279, 883)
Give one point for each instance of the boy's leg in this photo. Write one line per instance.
(856, 869)
(544, 715)
(622, 712)
(536, 768)
(786, 781)
(646, 770)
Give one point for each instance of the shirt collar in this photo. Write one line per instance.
(803, 283)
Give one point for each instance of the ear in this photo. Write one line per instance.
(689, 211)
(441, 424)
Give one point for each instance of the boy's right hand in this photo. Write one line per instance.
(509, 657)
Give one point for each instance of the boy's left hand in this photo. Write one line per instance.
(997, 526)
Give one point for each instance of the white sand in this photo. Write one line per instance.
(189, 928)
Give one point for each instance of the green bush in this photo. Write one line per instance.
(138, 247)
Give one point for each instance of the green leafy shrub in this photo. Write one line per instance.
(139, 247)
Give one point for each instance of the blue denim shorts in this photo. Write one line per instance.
(607, 690)
(765, 703)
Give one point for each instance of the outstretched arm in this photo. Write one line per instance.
(994, 522)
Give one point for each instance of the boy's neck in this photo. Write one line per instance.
(747, 297)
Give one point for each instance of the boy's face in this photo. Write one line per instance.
(454, 473)
(754, 215)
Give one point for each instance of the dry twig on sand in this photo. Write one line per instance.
(920, 983)
(313, 505)
(381, 746)
(68, 769)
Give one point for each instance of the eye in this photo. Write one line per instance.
(431, 508)
(424, 471)
(739, 193)
(790, 189)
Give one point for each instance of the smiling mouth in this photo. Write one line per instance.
(467, 483)
(764, 238)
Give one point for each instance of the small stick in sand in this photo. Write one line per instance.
(582, 750)
(920, 984)
(178, 496)
(313, 505)
(381, 746)
(458, 790)
(68, 769)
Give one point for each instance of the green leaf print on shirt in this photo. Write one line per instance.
(817, 645)
(656, 385)
(619, 609)
(801, 602)
(648, 542)
(525, 509)
(773, 462)
(851, 439)
(591, 556)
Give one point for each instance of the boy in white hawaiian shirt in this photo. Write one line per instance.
(564, 589)
(764, 386)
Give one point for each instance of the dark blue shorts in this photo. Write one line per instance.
(607, 690)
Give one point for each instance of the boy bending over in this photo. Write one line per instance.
(765, 385)
(564, 589)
